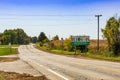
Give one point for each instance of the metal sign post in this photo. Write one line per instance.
(10, 46)
(80, 42)
(62, 45)
(119, 33)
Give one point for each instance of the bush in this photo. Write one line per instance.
(116, 48)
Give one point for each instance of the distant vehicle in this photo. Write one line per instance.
(81, 42)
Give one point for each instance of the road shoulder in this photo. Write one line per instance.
(12, 68)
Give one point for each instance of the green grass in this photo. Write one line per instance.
(56, 51)
(88, 54)
(14, 45)
(103, 57)
(5, 50)
(62, 52)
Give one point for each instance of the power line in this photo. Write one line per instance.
(46, 25)
(49, 19)
(41, 15)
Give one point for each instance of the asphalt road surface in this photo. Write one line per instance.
(57, 67)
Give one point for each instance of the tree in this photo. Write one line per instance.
(22, 37)
(56, 37)
(67, 44)
(111, 33)
(9, 36)
(1, 38)
(15, 36)
(34, 39)
(42, 37)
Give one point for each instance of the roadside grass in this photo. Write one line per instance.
(102, 57)
(5, 50)
(62, 52)
(14, 45)
(56, 51)
(79, 54)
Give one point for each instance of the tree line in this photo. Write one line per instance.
(18, 36)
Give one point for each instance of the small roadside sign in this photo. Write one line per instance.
(10, 45)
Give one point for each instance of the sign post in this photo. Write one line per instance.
(10, 46)
(119, 33)
(80, 42)
(62, 45)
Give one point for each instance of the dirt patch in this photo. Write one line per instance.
(8, 59)
(14, 75)
(17, 76)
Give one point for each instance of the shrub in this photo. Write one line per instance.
(116, 48)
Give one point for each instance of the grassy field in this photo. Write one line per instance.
(5, 50)
(14, 45)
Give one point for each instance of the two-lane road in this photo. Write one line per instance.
(57, 67)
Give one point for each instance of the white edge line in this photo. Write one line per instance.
(53, 72)
(57, 74)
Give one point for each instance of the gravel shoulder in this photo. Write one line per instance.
(12, 68)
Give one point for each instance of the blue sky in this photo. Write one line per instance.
(57, 17)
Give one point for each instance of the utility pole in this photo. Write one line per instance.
(98, 17)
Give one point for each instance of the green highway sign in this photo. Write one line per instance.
(80, 40)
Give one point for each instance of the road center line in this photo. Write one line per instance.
(57, 74)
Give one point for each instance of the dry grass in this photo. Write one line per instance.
(93, 44)
(7, 59)
(57, 43)
(17, 76)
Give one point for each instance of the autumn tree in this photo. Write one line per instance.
(67, 44)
